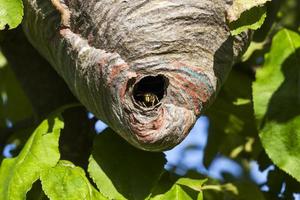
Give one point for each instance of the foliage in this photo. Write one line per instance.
(11, 13)
(111, 173)
(236, 132)
(251, 19)
(254, 118)
(244, 15)
(12, 95)
(241, 6)
(277, 105)
(38, 154)
(66, 181)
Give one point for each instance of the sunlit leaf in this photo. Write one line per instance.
(183, 188)
(176, 192)
(11, 13)
(246, 14)
(194, 184)
(121, 171)
(251, 19)
(254, 46)
(65, 181)
(277, 102)
(240, 6)
(39, 153)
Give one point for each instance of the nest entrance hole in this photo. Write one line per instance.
(150, 90)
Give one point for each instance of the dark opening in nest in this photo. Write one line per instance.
(149, 90)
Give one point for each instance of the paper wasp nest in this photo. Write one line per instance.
(148, 68)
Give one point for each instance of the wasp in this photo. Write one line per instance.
(148, 99)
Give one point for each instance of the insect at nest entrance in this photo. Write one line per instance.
(150, 90)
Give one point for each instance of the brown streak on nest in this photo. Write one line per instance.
(64, 12)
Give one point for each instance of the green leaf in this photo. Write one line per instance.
(183, 188)
(3, 61)
(11, 13)
(232, 123)
(121, 171)
(240, 6)
(254, 46)
(252, 19)
(39, 153)
(246, 14)
(194, 184)
(176, 193)
(277, 102)
(14, 105)
(65, 181)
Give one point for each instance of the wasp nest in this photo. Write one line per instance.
(147, 68)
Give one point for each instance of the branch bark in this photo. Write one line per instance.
(146, 68)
